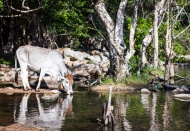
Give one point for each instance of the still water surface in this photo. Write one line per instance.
(79, 112)
(138, 112)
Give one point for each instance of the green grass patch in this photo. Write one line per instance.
(146, 75)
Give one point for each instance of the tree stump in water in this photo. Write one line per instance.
(107, 112)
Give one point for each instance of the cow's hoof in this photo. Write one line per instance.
(38, 90)
(26, 89)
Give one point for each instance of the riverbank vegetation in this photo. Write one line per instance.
(146, 76)
(136, 34)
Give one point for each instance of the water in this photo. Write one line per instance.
(137, 112)
(183, 71)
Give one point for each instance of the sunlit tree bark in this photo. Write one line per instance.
(119, 54)
(160, 7)
(156, 34)
(172, 18)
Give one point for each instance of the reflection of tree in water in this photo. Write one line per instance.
(166, 113)
(120, 115)
(48, 116)
(145, 101)
(151, 108)
(154, 125)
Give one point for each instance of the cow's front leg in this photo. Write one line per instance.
(42, 74)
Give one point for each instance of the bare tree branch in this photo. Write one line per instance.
(23, 6)
(9, 16)
(181, 32)
(23, 11)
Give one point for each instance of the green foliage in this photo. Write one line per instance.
(1, 4)
(133, 79)
(90, 62)
(108, 80)
(3, 61)
(69, 19)
(143, 26)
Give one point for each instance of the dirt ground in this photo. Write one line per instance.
(20, 127)
(115, 88)
(20, 90)
(98, 88)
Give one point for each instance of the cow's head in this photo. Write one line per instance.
(67, 83)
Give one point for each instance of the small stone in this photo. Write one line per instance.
(145, 91)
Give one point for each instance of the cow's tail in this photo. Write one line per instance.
(16, 71)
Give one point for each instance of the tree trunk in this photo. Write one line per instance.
(155, 35)
(148, 38)
(169, 71)
(119, 55)
(131, 50)
(115, 36)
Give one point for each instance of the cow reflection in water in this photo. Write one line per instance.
(45, 117)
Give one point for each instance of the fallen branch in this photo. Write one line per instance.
(181, 77)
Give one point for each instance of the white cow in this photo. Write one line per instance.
(45, 61)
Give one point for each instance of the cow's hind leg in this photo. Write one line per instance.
(42, 74)
(27, 82)
(23, 80)
(23, 67)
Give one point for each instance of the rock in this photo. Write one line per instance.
(184, 96)
(4, 66)
(184, 88)
(11, 73)
(178, 90)
(8, 79)
(91, 69)
(9, 88)
(95, 52)
(5, 69)
(76, 63)
(2, 73)
(145, 91)
(55, 91)
(181, 89)
(74, 55)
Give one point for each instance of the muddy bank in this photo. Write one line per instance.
(125, 88)
(20, 127)
(98, 88)
(10, 90)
